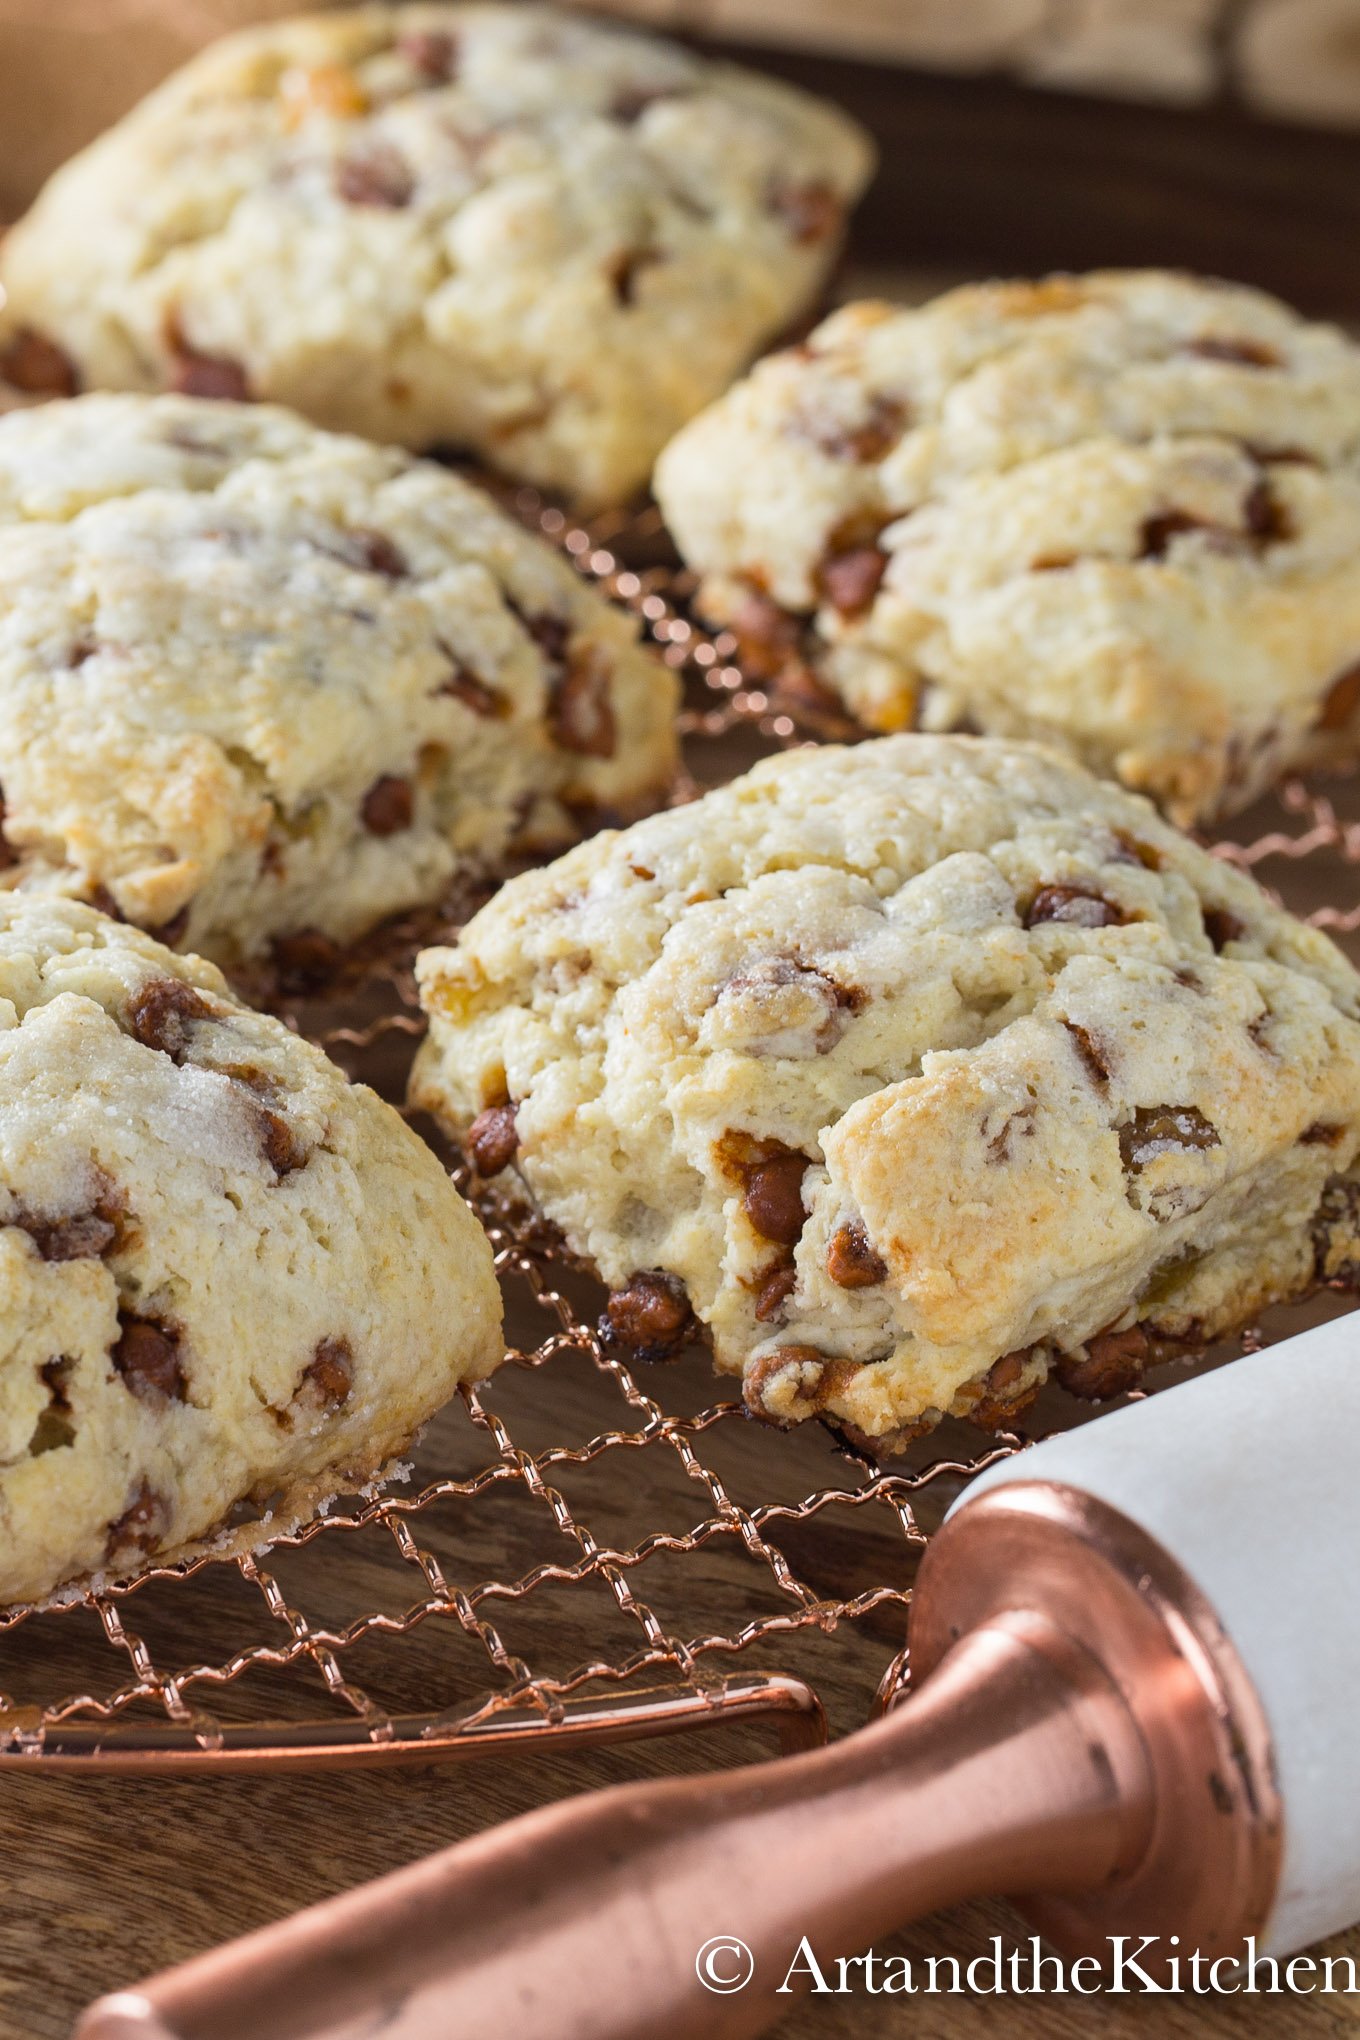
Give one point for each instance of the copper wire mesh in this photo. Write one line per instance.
(602, 1549)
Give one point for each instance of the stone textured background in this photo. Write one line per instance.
(1299, 59)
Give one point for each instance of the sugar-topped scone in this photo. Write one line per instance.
(261, 685)
(544, 239)
(1117, 512)
(228, 1275)
(914, 1070)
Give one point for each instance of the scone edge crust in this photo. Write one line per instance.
(231, 1277)
(257, 679)
(922, 1068)
(1117, 512)
(502, 228)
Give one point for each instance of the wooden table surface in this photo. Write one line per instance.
(109, 1878)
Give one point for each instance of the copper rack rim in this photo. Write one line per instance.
(159, 1719)
(507, 1724)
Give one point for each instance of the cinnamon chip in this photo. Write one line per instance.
(1132, 850)
(885, 420)
(80, 1236)
(624, 269)
(551, 633)
(143, 1525)
(850, 1260)
(580, 712)
(1158, 531)
(36, 365)
(1322, 1133)
(1074, 906)
(282, 1147)
(161, 1014)
(824, 1377)
(1018, 1126)
(850, 580)
(146, 1355)
(1242, 353)
(375, 551)
(775, 1292)
(492, 1140)
(1222, 926)
(388, 806)
(378, 176)
(463, 685)
(1093, 1060)
(773, 1197)
(207, 375)
(1341, 701)
(1163, 1129)
(1112, 1363)
(1279, 456)
(651, 1314)
(763, 1370)
(812, 212)
(431, 51)
(329, 1375)
(769, 974)
(1002, 1399)
(1266, 519)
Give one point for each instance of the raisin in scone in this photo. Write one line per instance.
(915, 1070)
(228, 1275)
(1118, 512)
(544, 239)
(261, 686)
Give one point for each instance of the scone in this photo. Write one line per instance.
(229, 1276)
(546, 240)
(261, 686)
(914, 1070)
(1118, 512)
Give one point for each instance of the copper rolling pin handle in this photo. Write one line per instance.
(1135, 1713)
(1018, 1768)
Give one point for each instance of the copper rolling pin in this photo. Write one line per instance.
(1136, 1652)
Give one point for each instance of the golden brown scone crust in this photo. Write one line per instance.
(916, 1069)
(1117, 512)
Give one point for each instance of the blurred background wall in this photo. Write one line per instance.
(69, 67)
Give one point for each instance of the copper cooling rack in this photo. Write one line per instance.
(583, 1548)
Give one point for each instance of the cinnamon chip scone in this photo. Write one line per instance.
(1117, 512)
(914, 1070)
(546, 240)
(228, 1275)
(261, 686)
